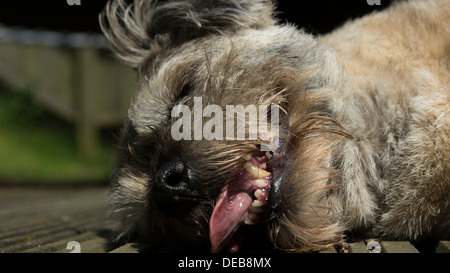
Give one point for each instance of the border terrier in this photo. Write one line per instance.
(363, 117)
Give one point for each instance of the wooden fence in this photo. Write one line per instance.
(73, 75)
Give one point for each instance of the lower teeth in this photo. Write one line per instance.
(257, 193)
(254, 216)
(257, 204)
(249, 222)
(257, 210)
(257, 207)
(256, 213)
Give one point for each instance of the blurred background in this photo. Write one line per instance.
(63, 97)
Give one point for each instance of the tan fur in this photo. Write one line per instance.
(367, 106)
(397, 64)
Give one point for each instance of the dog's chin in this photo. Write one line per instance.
(246, 200)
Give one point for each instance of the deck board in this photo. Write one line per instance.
(397, 247)
(45, 220)
(127, 248)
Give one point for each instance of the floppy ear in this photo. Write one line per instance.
(141, 30)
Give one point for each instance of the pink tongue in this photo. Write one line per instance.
(228, 214)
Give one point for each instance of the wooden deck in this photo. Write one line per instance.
(45, 220)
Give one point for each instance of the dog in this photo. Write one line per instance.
(363, 115)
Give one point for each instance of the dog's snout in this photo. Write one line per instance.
(173, 191)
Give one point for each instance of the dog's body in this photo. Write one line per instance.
(364, 148)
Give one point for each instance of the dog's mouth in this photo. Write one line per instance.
(244, 200)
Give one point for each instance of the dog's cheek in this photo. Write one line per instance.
(301, 224)
(302, 220)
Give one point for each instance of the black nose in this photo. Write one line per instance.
(173, 191)
(172, 178)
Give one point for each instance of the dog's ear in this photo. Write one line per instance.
(141, 30)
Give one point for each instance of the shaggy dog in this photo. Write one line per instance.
(364, 121)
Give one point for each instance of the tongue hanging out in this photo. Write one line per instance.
(241, 202)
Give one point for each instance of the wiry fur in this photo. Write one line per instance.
(368, 110)
(141, 31)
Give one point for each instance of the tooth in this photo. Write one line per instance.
(254, 216)
(247, 157)
(258, 193)
(255, 171)
(257, 204)
(269, 155)
(257, 210)
(261, 183)
(249, 222)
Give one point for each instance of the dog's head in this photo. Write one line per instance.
(187, 178)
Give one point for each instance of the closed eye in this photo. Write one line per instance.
(182, 93)
(185, 90)
(179, 97)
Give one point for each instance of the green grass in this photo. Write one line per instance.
(37, 148)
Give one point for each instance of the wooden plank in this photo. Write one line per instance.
(60, 245)
(45, 220)
(358, 247)
(329, 250)
(25, 209)
(87, 85)
(443, 247)
(397, 247)
(127, 248)
(94, 241)
(93, 245)
(23, 242)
